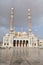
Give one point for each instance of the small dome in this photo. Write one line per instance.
(24, 33)
(7, 34)
(12, 8)
(18, 33)
(28, 9)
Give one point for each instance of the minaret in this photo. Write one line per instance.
(12, 20)
(29, 28)
(29, 21)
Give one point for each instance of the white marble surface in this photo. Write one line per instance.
(21, 56)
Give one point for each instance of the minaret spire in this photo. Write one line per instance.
(29, 21)
(12, 20)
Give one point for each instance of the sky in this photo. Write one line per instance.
(21, 16)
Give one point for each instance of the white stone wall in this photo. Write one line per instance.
(9, 38)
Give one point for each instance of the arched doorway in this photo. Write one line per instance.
(23, 42)
(17, 43)
(20, 43)
(38, 42)
(14, 43)
(26, 43)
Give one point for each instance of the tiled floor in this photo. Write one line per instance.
(21, 56)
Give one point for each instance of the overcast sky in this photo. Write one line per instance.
(20, 16)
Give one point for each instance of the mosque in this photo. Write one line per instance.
(20, 39)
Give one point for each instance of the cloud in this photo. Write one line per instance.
(21, 15)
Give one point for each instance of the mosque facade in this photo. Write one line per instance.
(20, 39)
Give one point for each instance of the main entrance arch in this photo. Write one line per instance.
(17, 43)
(26, 43)
(20, 43)
(23, 43)
(14, 43)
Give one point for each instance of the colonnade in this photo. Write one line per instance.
(20, 43)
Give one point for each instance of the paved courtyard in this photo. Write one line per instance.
(21, 56)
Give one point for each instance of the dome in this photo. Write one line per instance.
(18, 33)
(7, 34)
(24, 33)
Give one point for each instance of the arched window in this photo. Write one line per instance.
(4, 43)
